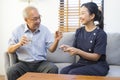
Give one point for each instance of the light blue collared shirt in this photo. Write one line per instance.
(37, 49)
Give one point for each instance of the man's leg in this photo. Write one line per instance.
(17, 70)
(47, 67)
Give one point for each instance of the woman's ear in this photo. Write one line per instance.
(92, 16)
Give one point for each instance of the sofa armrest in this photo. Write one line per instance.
(10, 59)
(7, 60)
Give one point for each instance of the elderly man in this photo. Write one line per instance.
(30, 42)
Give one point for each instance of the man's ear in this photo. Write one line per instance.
(25, 19)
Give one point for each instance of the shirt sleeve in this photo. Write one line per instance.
(49, 39)
(74, 43)
(101, 42)
(13, 39)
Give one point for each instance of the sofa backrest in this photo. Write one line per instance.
(113, 48)
(59, 55)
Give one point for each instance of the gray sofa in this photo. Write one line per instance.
(62, 59)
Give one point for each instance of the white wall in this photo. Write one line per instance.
(11, 16)
(112, 15)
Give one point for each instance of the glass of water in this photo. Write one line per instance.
(29, 37)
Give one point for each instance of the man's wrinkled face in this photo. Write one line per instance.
(33, 19)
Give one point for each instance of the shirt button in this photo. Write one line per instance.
(91, 41)
(94, 34)
(97, 27)
(89, 49)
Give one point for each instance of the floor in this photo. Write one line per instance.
(2, 77)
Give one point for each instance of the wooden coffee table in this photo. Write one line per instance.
(47, 76)
(2, 77)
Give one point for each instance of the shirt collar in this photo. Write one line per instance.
(27, 29)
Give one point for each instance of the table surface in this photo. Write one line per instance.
(2, 77)
(47, 76)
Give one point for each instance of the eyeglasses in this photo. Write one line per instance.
(35, 18)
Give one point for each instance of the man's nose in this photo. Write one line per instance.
(38, 20)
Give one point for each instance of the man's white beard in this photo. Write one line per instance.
(36, 27)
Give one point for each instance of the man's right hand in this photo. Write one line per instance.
(14, 47)
(23, 40)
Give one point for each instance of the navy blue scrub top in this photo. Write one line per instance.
(92, 42)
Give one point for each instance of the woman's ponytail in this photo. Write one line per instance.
(99, 18)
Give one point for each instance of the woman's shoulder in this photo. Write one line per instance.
(101, 32)
(80, 29)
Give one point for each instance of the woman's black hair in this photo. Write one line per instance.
(93, 9)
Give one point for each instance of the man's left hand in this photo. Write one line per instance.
(58, 35)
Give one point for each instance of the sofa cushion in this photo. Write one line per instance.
(59, 55)
(113, 48)
(114, 71)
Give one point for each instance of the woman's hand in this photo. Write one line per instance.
(72, 50)
(64, 47)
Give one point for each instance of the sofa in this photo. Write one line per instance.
(62, 59)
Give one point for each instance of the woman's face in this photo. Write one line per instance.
(85, 17)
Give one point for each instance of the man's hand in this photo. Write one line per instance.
(13, 48)
(58, 35)
(23, 40)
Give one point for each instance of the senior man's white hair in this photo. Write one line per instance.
(26, 11)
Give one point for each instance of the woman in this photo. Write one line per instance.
(90, 44)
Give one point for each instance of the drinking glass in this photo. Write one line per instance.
(29, 38)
